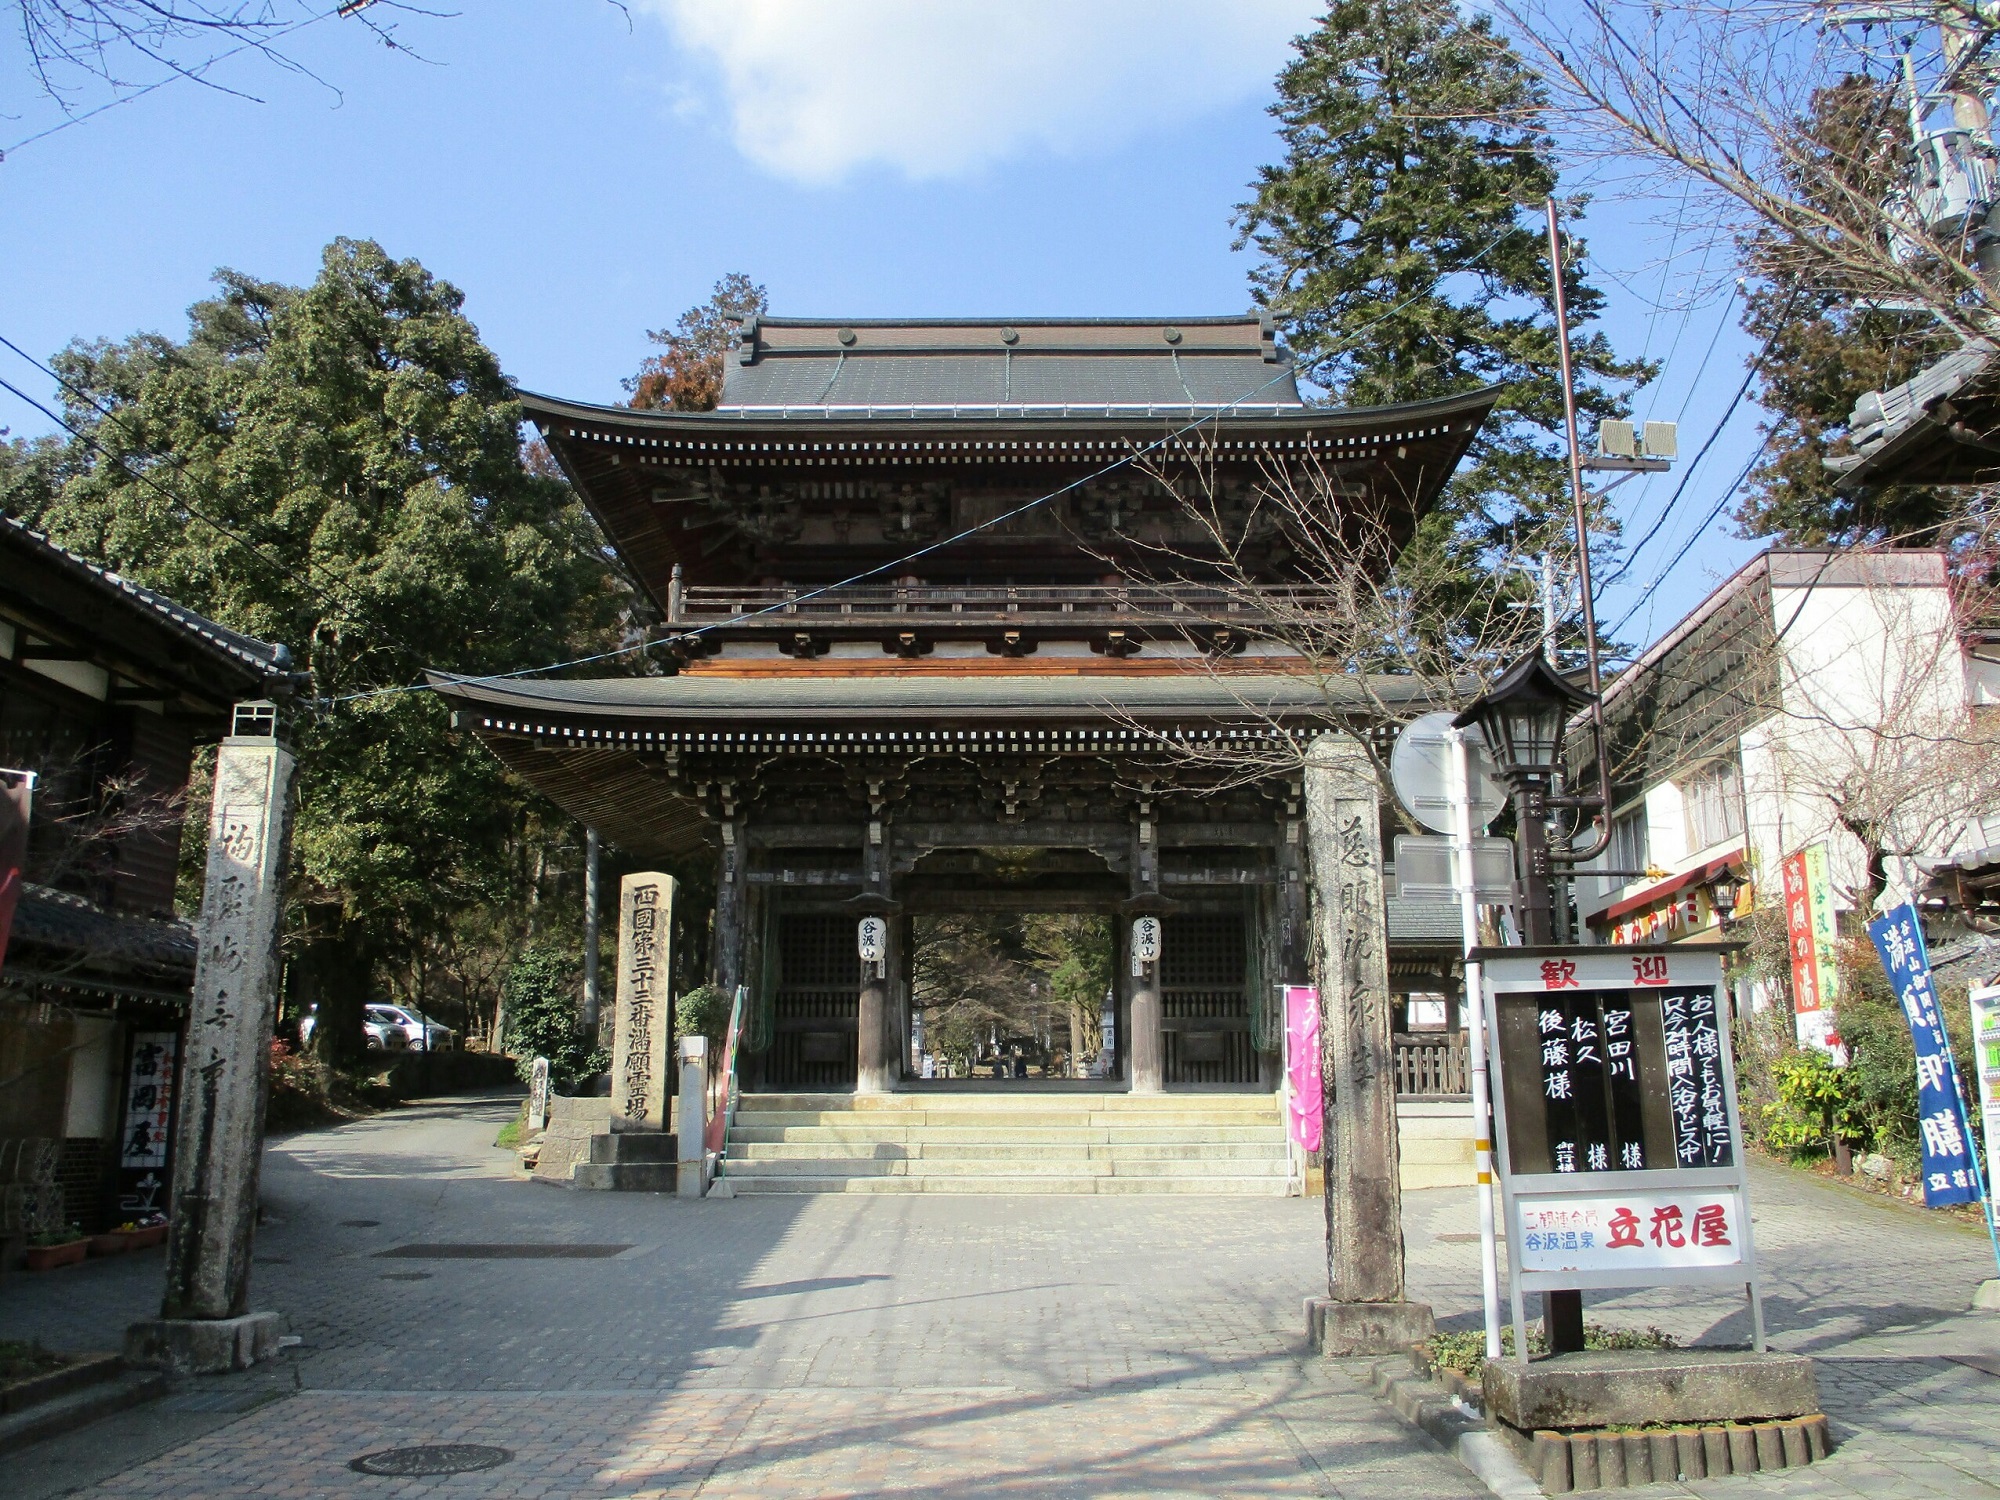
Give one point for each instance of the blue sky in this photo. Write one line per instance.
(583, 173)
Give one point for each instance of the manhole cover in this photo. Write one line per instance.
(406, 1275)
(360, 1223)
(501, 1252)
(432, 1458)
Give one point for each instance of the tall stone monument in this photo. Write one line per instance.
(642, 1061)
(1366, 1312)
(205, 1324)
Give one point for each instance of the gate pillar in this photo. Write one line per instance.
(1367, 1312)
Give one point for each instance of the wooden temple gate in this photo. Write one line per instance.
(910, 614)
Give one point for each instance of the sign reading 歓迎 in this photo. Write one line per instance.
(1620, 1154)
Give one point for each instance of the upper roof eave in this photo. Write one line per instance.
(544, 410)
(829, 699)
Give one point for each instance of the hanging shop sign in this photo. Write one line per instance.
(1950, 1173)
(145, 1151)
(1985, 1001)
(1810, 934)
(874, 940)
(1620, 1151)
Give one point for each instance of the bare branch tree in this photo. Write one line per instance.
(1715, 97)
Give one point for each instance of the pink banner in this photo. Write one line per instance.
(1303, 1104)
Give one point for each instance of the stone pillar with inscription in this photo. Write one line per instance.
(205, 1324)
(642, 1064)
(1366, 1312)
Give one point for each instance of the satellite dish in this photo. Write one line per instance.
(1420, 767)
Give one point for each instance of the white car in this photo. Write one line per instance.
(380, 1032)
(418, 1031)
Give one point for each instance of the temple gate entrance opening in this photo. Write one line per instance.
(941, 646)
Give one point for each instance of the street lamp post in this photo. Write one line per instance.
(1523, 717)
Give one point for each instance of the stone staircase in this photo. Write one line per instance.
(1028, 1142)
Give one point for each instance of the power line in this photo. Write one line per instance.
(959, 536)
(289, 571)
(1687, 475)
(1688, 546)
(644, 645)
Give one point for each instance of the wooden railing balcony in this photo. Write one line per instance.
(872, 604)
(1432, 1065)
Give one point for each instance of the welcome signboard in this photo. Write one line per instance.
(1620, 1152)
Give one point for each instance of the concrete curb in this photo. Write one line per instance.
(74, 1409)
(1452, 1425)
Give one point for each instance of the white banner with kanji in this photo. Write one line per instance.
(1673, 1229)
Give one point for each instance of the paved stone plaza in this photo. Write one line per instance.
(936, 1345)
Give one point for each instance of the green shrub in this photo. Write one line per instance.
(1815, 1103)
(704, 1012)
(540, 1002)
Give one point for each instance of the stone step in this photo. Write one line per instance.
(933, 1150)
(1048, 1120)
(995, 1183)
(1025, 1166)
(996, 1102)
(626, 1177)
(631, 1147)
(756, 1128)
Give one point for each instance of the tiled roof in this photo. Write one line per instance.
(991, 367)
(241, 650)
(61, 920)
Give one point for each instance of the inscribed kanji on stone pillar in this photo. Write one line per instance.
(642, 1063)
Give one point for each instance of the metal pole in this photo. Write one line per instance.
(591, 848)
(1475, 1013)
(1578, 499)
(1549, 608)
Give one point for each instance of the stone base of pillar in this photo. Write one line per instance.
(1350, 1328)
(203, 1346)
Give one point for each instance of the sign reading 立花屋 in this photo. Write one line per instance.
(1810, 934)
(1620, 1153)
(1950, 1173)
(1626, 1232)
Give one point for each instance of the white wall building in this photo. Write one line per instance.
(1816, 696)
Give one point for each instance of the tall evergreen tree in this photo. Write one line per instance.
(1405, 254)
(339, 467)
(1824, 347)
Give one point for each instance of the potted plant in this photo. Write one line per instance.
(56, 1247)
(144, 1232)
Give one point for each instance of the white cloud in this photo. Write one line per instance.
(935, 88)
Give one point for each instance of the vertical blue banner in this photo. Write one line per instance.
(1951, 1173)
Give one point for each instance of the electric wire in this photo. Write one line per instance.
(969, 531)
(696, 631)
(287, 570)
